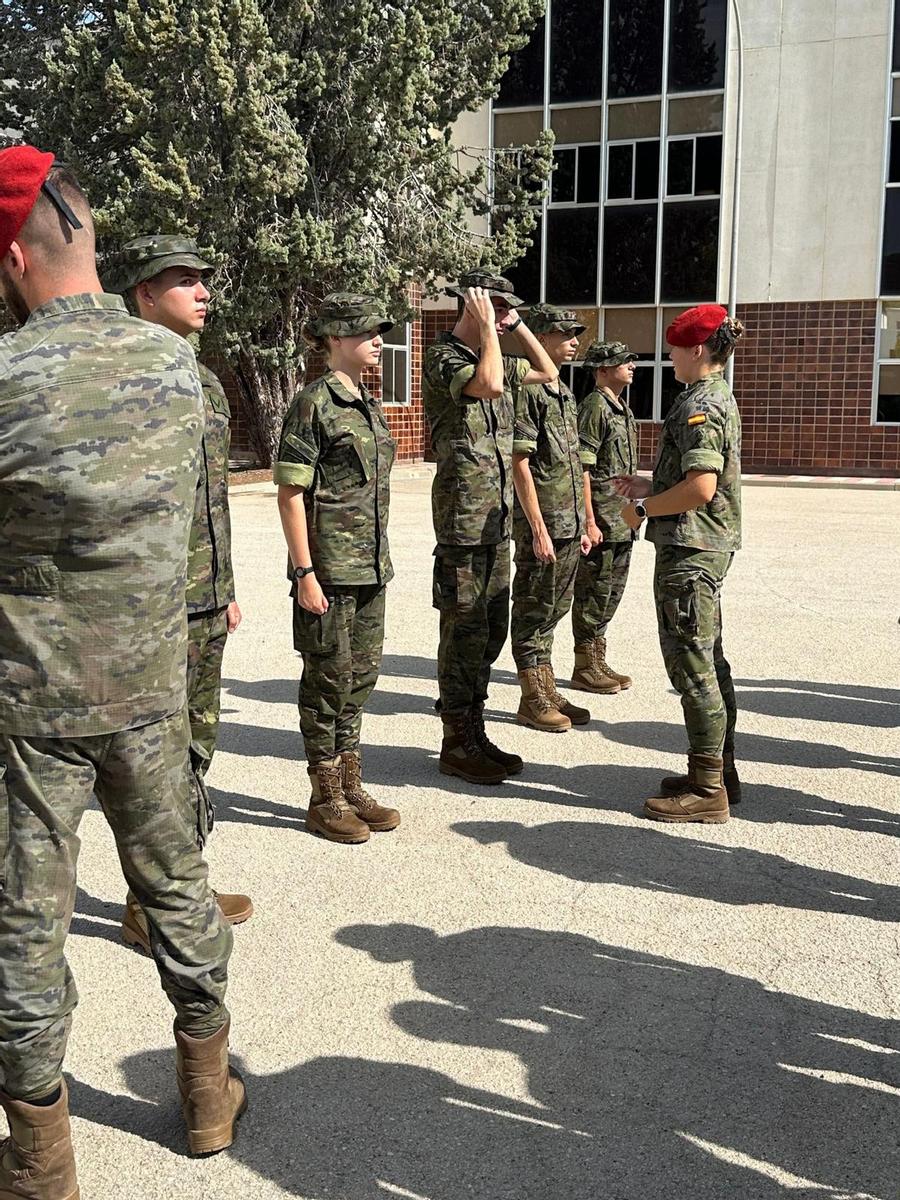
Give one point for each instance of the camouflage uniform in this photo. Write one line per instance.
(693, 553)
(471, 505)
(102, 416)
(546, 429)
(338, 447)
(608, 434)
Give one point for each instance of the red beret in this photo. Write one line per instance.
(22, 173)
(697, 325)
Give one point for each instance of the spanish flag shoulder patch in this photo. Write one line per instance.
(697, 419)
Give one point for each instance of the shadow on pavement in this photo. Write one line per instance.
(848, 704)
(98, 918)
(648, 1079)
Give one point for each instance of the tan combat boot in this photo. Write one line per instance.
(213, 1095)
(672, 785)
(37, 1161)
(536, 709)
(624, 681)
(329, 815)
(704, 798)
(461, 754)
(578, 716)
(375, 815)
(588, 676)
(511, 763)
(235, 908)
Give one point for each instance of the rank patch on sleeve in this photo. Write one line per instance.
(697, 419)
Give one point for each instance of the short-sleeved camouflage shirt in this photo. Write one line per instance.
(546, 429)
(608, 434)
(701, 433)
(339, 448)
(472, 494)
(101, 416)
(210, 576)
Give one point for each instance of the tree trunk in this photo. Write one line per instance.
(267, 395)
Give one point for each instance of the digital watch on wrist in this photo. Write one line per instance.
(300, 572)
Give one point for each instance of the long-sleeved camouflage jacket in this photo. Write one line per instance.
(701, 433)
(472, 494)
(101, 417)
(546, 429)
(608, 434)
(210, 575)
(340, 449)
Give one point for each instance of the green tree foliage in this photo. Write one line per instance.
(306, 146)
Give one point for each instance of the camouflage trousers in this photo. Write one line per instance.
(599, 587)
(541, 597)
(207, 634)
(141, 779)
(341, 659)
(687, 586)
(471, 592)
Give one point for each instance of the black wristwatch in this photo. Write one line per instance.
(299, 572)
(640, 509)
(515, 325)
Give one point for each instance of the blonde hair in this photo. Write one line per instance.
(722, 343)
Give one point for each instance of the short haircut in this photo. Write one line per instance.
(47, 232)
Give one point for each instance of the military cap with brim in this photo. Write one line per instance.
(550, 318)
(608, 354)
(146, 257)
(494, 285)
(346, 314)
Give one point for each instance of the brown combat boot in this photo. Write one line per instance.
(578, 716)
(536, 709)
(672, 785)
(461, 754)
(37, 1161)
(511, 763)
(213, 1095)
(235, 908)
(375, 815)
(588, 675)
(329, 815)
(624, 681)
(704, 798)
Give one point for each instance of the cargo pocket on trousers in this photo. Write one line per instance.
(316, 634)
(453, 585)
(4, 825)
(679, 609)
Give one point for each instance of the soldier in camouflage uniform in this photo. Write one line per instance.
(608, 448)
(548, 524)
(101, 418)
(693, 510)
(165, 281)
(333, 471)
(468, 391)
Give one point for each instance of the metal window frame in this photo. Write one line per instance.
(577, 147)
(883, 299)
(406, 350)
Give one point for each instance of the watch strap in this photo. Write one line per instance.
(300, 572)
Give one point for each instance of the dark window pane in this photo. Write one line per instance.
(890, 259)
(629, 255)
(894, 166)
(523, 82)
(670, 389)
(576, 75)
(646, 170)
(619, 180)
(582, 382)
(563, 181)
(525, 276)
(896, 65)
(708, 175)
(697, 45)
(588, 174)
(690, 252)
(640, 394)
(572, 255)
(635, 47)
(680, 180)
(888, 393)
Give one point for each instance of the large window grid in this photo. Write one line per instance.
(886, 385)
(396, 365)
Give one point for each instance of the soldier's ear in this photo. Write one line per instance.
(15, 260)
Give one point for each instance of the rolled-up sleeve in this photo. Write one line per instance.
(591, 429)
(299, 448)
(701, 438)
(528, 421)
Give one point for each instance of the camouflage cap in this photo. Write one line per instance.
(494, 285)
(346, 314)
(550, 318)
(145, 257)
(608, 354)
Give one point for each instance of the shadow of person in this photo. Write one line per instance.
(382, 702)
(844, 704)
(254, 810)
(773, 805)
(98, 918)
(661, 861)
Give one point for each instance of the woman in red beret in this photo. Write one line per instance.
(693, 512)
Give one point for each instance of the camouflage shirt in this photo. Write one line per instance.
(472, 494)
(210, 576)
(546, 429)
(701, 433)
(608, 433)
(100, 423)
(339, 448)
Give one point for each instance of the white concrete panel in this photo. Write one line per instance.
(761, 22)
(762, 78)
(852, 252)
(473, 128)
(862, 18)
(804, 104)
(798, 233)
(755, 247)
(807, 21)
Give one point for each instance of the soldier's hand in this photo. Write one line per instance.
(630, 517)
(310, 596)
(233, 616)
(542, 544)
(632, 487)
(594, 533)
(478, 305)
(586, 544)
